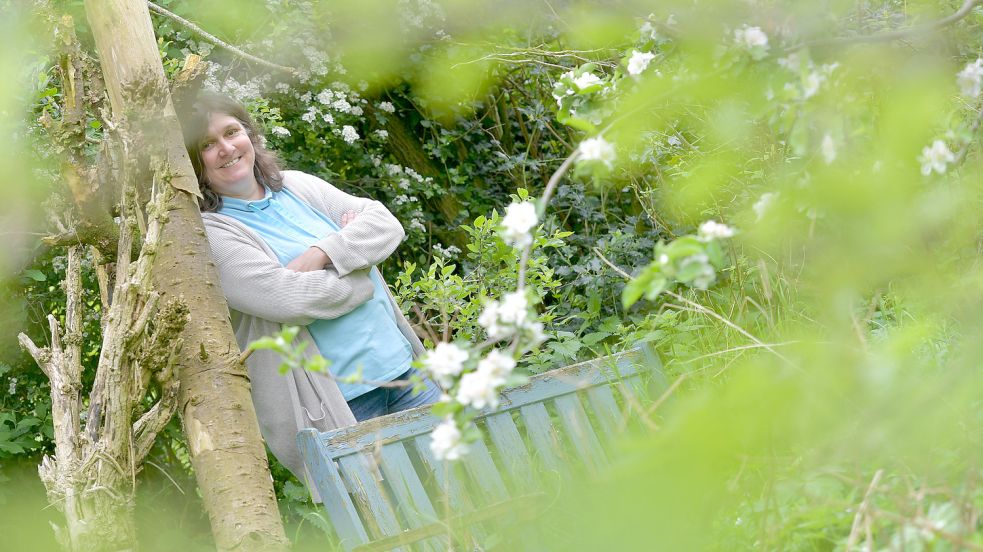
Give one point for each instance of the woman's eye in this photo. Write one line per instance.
(207, 146)
(232, 132)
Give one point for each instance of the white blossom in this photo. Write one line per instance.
(790, 62)
(446, 441)
(752, 39)
(328, 118)
(349, 134)
(828, 149)
(534, 334)
(388, 107)
(416, 224)
(341, 105)
(639, 61)
(813, 81)
(497, 364)
(356, 111)
(479, 389)
(382, 134)
(280, 131)
(519, 220)
(309, 116)
(705, 275)
(648, 31)
(712, 229)
(282, 87)
(444, 362)
(514, 308)
(597, 149)
(970, 77)
(935, 158)
(586, 80)
(503, 319)
(763, 204)
(305, 97)
(325, 97)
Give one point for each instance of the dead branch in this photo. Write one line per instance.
(890, 36)
(216, 41)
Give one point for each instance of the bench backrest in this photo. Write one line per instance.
(383, 488)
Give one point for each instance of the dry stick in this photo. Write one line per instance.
(547, 194)
(216, 41)
(928, 526)
(862, 511)
(962, 12)
(655, 406)
(742, 331)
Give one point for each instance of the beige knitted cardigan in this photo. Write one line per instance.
(263, 295)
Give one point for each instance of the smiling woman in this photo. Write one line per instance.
(293, 249)
(227, 156)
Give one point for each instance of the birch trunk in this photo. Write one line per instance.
(216, 408)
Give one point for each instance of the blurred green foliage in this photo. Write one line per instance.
(839, 338)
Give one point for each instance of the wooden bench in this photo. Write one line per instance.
(383, 489)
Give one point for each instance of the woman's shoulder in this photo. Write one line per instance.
(306, 186)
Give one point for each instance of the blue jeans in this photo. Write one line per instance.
(387, 400)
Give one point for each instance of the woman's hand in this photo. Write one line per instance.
(312, 259)
(347, 217)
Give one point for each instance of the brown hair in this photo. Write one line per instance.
(194, 123)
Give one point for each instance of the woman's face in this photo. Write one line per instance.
(227, 157)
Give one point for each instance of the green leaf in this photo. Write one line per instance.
(633, 290)
(264, 343)
(35, 275)
(443, 409)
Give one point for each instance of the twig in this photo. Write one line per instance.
(960, 542)
(614, 267)
(665, 395)
(700, 308)
(544, 201)
(962, 12)
(167, 475)
(216, 41)
(245, 354)
(739, 348)
(862, 511)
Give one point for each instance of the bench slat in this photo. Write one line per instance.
(332, 489)
(581, 434)
(360, 472)
(541, 433)
(512, 452)
(606, 410)
(450, 489)
(483, 472)
(409, 495)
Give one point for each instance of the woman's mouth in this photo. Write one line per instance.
(230, 163)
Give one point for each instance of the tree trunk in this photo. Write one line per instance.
(227, 451)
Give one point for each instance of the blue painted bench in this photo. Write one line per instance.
(383, 489)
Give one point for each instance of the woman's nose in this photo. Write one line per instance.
(224, 146)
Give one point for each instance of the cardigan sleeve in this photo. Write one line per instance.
(366, 241)
(257, 285)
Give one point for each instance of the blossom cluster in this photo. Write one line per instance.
(467, 385)
(597, 149)
(510, 316)
(753, 40)
(517, 224)
(936, 157)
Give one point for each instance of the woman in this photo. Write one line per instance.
(293, 249)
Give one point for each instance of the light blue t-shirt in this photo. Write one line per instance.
(366, 337)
